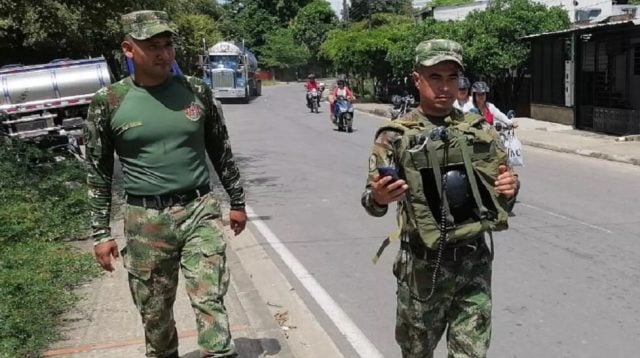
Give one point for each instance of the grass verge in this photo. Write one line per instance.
(44, 203)
(36, 282)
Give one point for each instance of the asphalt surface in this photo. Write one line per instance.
(565, 274)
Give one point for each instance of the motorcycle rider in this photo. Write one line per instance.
(463, 101)
(493, 116)
(340, 90)
(311, 85)
(488, 110)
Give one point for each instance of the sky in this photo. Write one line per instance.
(336, 5)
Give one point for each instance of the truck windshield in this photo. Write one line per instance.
(223, 61)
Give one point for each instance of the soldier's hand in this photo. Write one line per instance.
(505, 182)
(104, 251)
(237, 220)
(385, 191)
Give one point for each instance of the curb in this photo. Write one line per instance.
(583, 152)
(271, 339)
(375, 112)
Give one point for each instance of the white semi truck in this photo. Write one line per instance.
(49, 100)
(230, 70)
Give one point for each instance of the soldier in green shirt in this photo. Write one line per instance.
(162, 127)
(447, 171)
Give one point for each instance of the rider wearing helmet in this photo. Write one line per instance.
(340, 90)
(310, 85)
(463, 101)
(491, 113)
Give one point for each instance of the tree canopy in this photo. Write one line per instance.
(361, 9)
(281, 51)
(363, 52)
(312, 24)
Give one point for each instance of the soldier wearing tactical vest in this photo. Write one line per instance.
(450, 179)
(163, 127)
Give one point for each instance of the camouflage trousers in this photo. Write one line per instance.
(158, 244)
(461, 303)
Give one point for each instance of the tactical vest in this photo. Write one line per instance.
(423, 159)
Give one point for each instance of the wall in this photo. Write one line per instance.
(457, 12)
(555, 114)
(568, 5)
(634, 96)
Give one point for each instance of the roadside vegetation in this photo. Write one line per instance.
(43, 207)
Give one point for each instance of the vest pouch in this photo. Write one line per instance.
(483, 145)
(497, 205)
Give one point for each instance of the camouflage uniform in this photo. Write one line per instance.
(163, 135)
(461, 299)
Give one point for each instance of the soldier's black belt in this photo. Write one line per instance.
(160, 202)
(450, 252)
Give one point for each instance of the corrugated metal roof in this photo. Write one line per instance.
(582, 28)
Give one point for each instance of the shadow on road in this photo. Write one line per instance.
(249, 348)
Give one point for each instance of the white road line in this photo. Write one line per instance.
(349, 330)
(566, 218)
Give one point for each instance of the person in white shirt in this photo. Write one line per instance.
(463, 101)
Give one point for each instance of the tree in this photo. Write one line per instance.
(361, 9)
(495, 48)
(248, 23)
(193, 28)
(401, 53)
(36, 31)
(363, 52)
(311, 25)
(283, 10)
(281, 51)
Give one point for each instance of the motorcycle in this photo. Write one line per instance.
(401, 105)
(313, 98)
(344, 114)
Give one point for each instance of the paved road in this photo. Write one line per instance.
(565, 275)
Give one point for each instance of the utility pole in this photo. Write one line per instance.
(369, 12)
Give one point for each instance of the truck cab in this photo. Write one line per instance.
(230, 71)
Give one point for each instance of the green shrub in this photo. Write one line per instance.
(43, 198)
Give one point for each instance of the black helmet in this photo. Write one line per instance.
(341, 82)
(311, 76)
(463, 83)
(458, 190)
(480, 87)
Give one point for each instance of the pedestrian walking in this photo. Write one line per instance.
(162, 128)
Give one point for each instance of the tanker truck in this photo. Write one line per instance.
(230, 70)
(48, 102)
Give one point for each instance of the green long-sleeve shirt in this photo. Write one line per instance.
(162, 135)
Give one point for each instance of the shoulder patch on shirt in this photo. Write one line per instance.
(373, 163)
(193, 112)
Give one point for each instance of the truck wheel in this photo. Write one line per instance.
(259, 88)
(246, 98)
